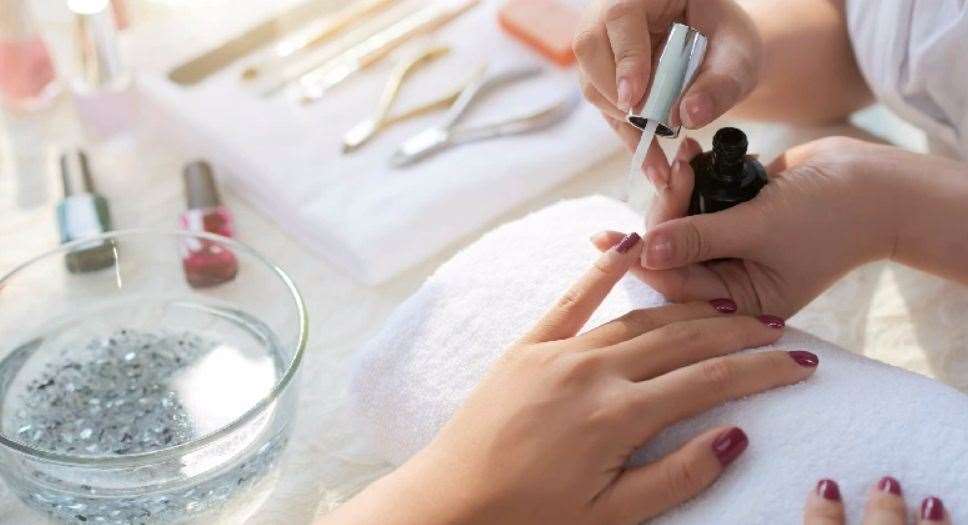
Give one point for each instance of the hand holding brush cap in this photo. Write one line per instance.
(616, 49)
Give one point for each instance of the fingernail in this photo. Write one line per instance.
(624, 94)
(828, 489)
(729, 445)
(772, 321)
(698, 111)
(889, 484)
(804, 358)
(628, 242)
(724, 306)
(932, 509)
(659, 251)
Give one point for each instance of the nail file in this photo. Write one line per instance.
(212, 61)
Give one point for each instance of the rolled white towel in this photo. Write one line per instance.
(855, 420)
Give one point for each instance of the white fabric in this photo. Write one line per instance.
(855, 420)
(369, 219)
(914, 56)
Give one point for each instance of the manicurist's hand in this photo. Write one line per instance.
(546, 436)
(830, 206)
(619, 42)
(885, 506)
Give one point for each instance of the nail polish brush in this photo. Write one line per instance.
(680, 59)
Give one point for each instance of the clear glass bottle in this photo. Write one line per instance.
(27, 76)
(103, 90)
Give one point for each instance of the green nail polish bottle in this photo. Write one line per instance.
(83, 213)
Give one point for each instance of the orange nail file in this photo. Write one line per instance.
(546, 25)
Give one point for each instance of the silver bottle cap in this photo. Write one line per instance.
(683, 53)
(101, 62)
(75, 173)
(200, 188)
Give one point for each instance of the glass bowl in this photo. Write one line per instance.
(145, 377)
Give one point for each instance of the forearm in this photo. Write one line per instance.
(931, 217)
(808, 73)
(414, 494)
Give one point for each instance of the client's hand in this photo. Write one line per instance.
(546, 436)
(885, 506)
(823, 213)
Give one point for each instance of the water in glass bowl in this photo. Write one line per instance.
(136, 378)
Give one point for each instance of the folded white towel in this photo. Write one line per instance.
(367, 218)
(855, 420)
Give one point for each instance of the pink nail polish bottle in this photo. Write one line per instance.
(27, 77)
(206, 262)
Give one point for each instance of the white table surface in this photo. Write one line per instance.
(884, 311)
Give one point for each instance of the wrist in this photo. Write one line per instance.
(928, 213)
(879, 202)
(435, 490)
(416, 493)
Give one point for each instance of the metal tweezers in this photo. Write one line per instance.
(448, 133)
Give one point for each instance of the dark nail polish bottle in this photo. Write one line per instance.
(83, 213)
(725, 176)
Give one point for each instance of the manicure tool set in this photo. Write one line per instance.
(309, 50)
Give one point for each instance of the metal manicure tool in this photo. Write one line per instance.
(361, 133)
(448, 133)
(317, 33)
(318, 81)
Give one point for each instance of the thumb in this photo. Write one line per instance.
(700, 238)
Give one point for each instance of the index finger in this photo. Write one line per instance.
(627, 28)
(573, 310)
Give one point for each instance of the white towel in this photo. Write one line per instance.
(855, 420)
(370, 220)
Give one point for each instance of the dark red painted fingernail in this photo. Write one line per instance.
(804, 358)
(932, 509)
(729, 445)
(828, 489)
(724, 306)
(772, 321)
(889, 484)
(628, 242)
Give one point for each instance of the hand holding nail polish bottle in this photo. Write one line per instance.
(725, 176)
(206, 262)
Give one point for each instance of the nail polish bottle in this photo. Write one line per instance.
(83, 213)
(27, 77)
(725, 176)
(103, 90)
(206, 262)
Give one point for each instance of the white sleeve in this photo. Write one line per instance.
(914, 56)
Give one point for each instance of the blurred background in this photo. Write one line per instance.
(344, 180)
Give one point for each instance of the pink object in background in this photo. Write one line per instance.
(26, 70)
(206, 262)
(121, 18)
